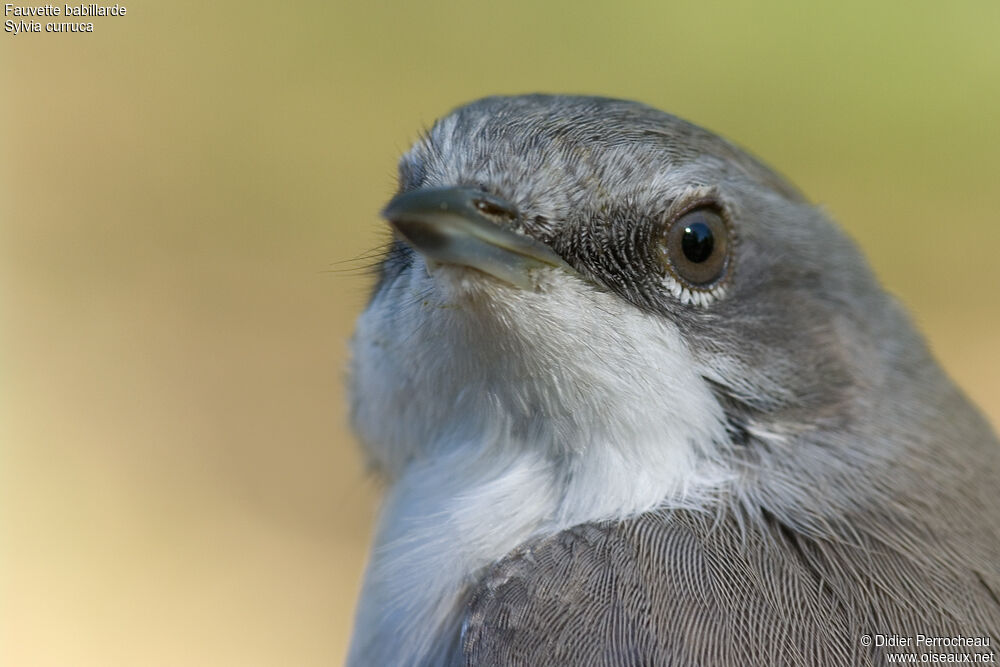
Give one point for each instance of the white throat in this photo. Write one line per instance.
(498, 414)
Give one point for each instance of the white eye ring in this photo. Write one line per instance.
(695, 247)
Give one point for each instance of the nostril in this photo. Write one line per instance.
(495, 209)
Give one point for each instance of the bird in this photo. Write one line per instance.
(634, 400)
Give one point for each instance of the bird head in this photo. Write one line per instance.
(594, 279)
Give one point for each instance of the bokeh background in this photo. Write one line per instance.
(187, 198)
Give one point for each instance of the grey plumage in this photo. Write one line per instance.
(858, 488)
(684, 588)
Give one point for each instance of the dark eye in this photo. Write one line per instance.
(695, 247)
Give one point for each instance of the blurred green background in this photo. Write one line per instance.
(178, 483)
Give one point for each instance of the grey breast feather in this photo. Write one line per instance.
(685, 588)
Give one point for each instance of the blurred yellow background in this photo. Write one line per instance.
(178, 484)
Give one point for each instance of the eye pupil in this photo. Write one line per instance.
(695, 247)
(697, 242)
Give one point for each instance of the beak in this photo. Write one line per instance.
(462, 226)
